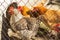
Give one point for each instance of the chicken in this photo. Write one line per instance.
(10, 12)
(6, 24)
(50, 15)
(34, 13)
(41, 8)
(37, 11)
(14, 13)
(24, 12)
(26, 27)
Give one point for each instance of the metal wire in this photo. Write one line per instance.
(3, 6)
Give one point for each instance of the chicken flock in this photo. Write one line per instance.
(30, 24)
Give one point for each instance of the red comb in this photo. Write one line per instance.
(20, 8)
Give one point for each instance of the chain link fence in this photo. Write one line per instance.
(5, 3)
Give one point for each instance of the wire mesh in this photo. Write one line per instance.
(3, 7)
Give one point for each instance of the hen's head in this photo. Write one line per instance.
(11, 7)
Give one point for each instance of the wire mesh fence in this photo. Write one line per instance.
(3, 7)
